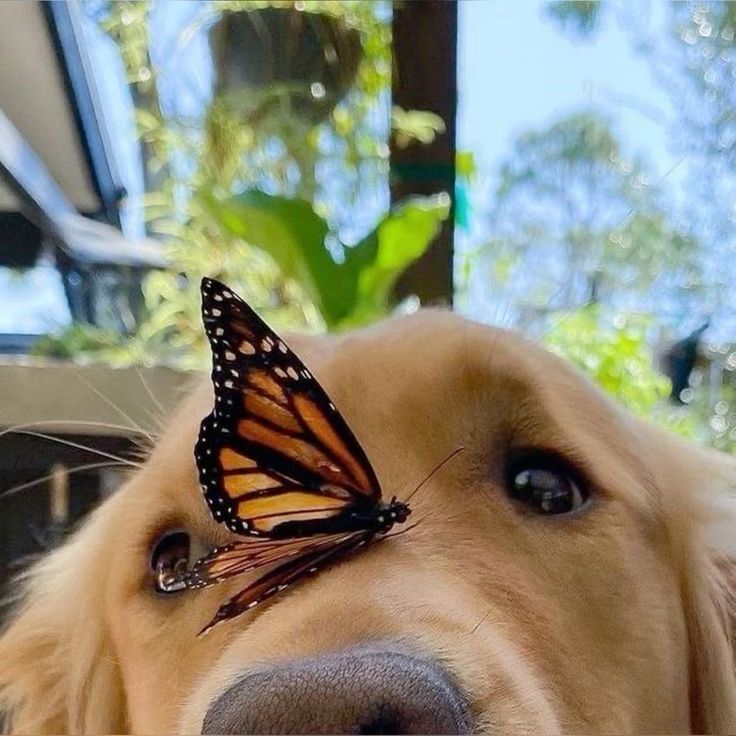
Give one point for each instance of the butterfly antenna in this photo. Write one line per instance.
(435, 470)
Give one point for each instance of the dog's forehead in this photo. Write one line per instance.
(429, 343)
(432, 350)
(435, 377)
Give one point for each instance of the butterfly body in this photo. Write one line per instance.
(378, 519)
(277, 463)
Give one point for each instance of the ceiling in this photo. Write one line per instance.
(33, 94)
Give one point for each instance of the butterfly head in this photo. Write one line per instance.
(396, 512)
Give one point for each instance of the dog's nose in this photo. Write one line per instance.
(361, 692)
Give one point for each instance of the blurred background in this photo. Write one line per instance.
(567, 169)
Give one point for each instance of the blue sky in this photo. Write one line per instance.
(517, 72)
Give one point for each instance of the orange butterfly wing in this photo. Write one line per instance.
(274, 449)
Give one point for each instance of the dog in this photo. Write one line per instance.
(571, 570)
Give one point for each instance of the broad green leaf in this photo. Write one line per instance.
(384, 254)
(292, 233)
(358, 289)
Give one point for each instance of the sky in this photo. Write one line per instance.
(516, 71)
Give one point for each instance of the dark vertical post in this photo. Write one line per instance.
(425, 78)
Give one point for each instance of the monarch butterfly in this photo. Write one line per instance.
(277, 463)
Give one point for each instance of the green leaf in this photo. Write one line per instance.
(383, 255)
(294, 235)
(415, 125)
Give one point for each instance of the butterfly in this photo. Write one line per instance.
(277, 463)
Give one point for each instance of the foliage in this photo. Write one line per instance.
(252, 190)
(690, 48)
(614, 350)
(411, 126)
(579, 19)
(357, 287)
(575, 221)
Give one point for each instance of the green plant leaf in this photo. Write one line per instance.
(291, 232)
(294, 235)
(386, 252)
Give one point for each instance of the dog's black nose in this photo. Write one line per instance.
(361, 692)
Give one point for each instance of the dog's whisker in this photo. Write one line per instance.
(113, 405)
(7, 492)
(404, 530)
(482, 619)
(159, 406)
(72, 422)
(78, 446)
(157, 414)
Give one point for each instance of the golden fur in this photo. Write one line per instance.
(616, 619)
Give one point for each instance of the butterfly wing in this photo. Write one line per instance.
(275, 448)
(285, 575)
(223, 563)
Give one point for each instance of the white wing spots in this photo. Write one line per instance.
(279, 371)
(228, 384)
(218, 368)
(292, 372)
(234, 372)
(282, 347)
(331, 405)
(229, 355)
(217, 312)
(247, 348)
(306, 373)
(266, 345)
(218, 298)
(227, 295)
(219, 332)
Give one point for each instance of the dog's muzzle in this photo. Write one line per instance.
(357, 691)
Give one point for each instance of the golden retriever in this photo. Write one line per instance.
(492, 615)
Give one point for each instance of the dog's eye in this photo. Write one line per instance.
(169, 558)
(545, 484)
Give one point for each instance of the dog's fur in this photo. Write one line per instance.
(615, 619)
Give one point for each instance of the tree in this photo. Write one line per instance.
(574, 222)
(691, 50)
